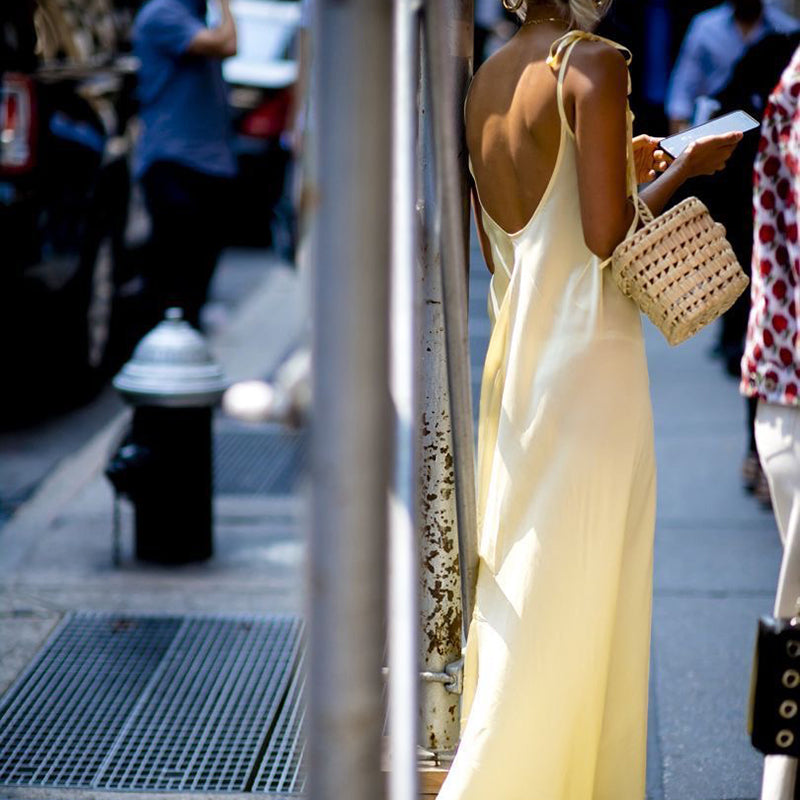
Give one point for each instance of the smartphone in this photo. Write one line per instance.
(727, 123)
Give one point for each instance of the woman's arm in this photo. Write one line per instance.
(483, 239)
(596, 88)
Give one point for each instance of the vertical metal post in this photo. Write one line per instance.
(448, 47)
(447, 474)
(404, 384)
(351, 425)
(440, 598)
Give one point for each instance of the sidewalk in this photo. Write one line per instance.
(717, 551)
(55, 553)
(716, 569)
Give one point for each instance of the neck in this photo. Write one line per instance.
(747, 26)
(748, 14)
(543, 11)
(554, 19)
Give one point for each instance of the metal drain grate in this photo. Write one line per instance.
(175, 704)
(62, 719)
(269, 462)
(283, 767)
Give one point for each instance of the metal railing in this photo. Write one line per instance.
(391, 412)
(448, 46)
(351, 425)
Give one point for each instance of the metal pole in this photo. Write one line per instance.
(404, 383)
(448, 46)
(351, 424)
(440, 597)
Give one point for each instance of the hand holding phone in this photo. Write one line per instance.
(707, 155)
(735, 122)
(649, 158)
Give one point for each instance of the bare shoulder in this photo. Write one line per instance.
(486, 94)
(475, 88)
(597, 67)
(498, 78)
(490, 74)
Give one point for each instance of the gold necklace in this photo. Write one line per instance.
(542, 21)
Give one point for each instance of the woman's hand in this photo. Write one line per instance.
(703, 157)
(707, 155)
(649, 159)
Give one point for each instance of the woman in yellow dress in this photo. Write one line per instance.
(555, 704)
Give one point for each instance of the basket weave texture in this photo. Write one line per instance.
(679, 269)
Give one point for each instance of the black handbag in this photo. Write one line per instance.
(774, 719)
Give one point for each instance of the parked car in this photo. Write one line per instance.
(65, 105)
(262, 77)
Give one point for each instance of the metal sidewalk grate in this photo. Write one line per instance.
(59, 722)
(159, 703)
(283, 765)
(266, 462)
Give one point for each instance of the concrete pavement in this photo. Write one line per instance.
(717, 561)
(716, 568)
(55, 552)
(717, 552)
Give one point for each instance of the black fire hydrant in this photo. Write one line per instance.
(164, 464)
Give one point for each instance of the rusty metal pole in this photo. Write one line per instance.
(448, 47)
(440, 589)
(351, 424)
(442, 476)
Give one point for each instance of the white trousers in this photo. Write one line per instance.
(778, 441)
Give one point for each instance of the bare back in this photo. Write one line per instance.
(513, 127)
(514, 131)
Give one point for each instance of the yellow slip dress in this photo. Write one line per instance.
(555, 702)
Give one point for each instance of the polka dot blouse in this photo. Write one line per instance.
(771, 362)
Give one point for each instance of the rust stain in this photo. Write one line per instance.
(439, 576)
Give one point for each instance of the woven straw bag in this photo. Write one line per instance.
(679, 269)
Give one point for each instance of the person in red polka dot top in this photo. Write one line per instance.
(771, 361)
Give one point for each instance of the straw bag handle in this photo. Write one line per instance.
(643, 212)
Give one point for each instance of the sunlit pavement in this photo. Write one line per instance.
(56, 551)
(717, 561)
(717, 557)
(716, 568)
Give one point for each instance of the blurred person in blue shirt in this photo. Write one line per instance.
(493, 27)
(715, 41)
(185, 159)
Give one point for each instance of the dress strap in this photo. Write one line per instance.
(564, 43)
(560, 52)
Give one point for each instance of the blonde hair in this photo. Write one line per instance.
(583, 14)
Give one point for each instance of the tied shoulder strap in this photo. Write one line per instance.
(558, 59)
(561, 47)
